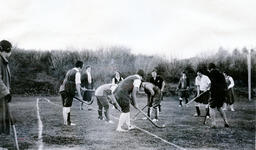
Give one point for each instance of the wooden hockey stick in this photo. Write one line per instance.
(195, 98)
(156, 125)
(83, 101)
(135, 116)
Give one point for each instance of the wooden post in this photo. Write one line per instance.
(249, 75)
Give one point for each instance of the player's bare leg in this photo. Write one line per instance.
(213, 115)
(223, 115)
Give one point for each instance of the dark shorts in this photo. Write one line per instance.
(102, 101)
(123, 99)
(183, 93)
(217, 98)
(203, 98)
(87, 95)
(67, 99)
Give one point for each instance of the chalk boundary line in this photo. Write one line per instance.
(143, 130)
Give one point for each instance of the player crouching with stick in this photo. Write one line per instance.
(125, 94)
(104, 96)
(154, 98)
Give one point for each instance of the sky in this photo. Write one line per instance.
(172, 28)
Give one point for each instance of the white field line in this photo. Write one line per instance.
(155, 136)
(143, 130)
(40, 127)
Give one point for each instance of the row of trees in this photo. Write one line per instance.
(41, 72)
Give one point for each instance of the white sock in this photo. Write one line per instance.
(65, 116)
(127, 121)
(121, 121)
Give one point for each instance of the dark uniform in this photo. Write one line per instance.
(67, 92)
(87, 96)
(218, 88)
(159, 83)
(153, 100)
(183, 87)
(123, 92)
(5, 80)
(67, 89)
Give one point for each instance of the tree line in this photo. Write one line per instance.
(41, 72)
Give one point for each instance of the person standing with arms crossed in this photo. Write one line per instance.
(183, 87)
(71, 83)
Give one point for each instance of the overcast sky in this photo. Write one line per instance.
(182, 28)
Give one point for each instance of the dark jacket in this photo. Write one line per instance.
(5, 80)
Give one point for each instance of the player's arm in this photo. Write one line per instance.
(163, 85)
(78, 84)
(197, 86)
(134, 91)
(136, 86)
(198, 89)
(149, 87)
(232, 84)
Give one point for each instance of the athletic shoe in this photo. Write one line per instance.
(110, 121)
(144, 118)
(226, 125)
(155, 120)
(90, 108)
(72, 124)
(121, 130)
(207, 117)
(224, 109)
(131, 127)
(232, 109)
(180, 105)
(196, 115)
(213, 125)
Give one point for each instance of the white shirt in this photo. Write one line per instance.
(78, 76)
(203, 82)
(137, 82)
(232, 84)
(100, 90)
(89, 77)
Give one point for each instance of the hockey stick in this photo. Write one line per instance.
(135, 116)
(156, 125)
(195, 98)
(83, 101)
(13, 129)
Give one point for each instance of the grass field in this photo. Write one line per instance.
(183, 131)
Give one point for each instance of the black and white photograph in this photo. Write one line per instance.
(127, 75)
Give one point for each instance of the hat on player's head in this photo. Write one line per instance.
(5, 46)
